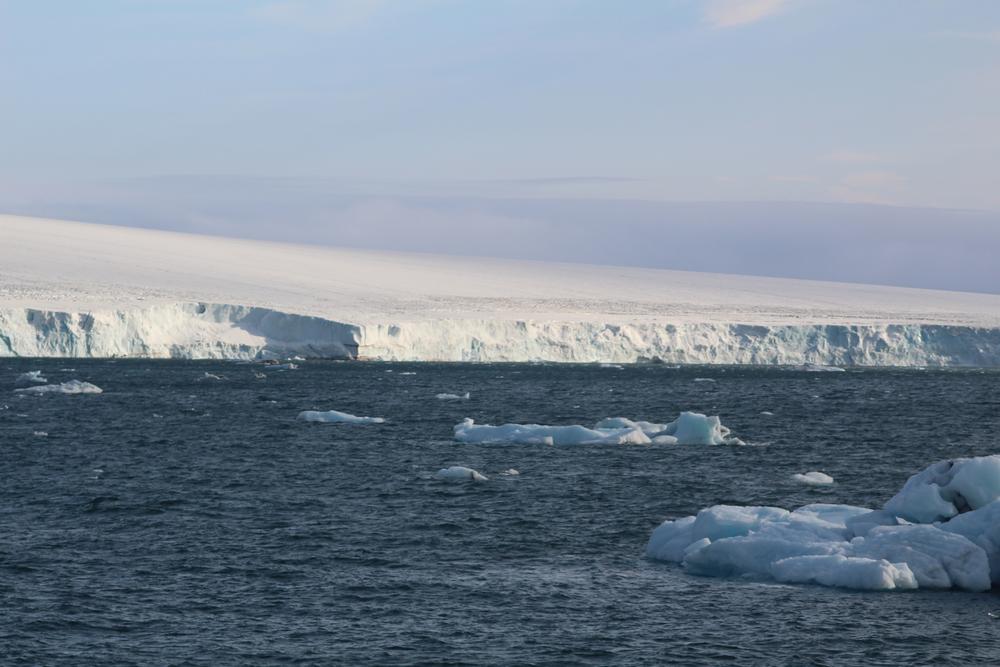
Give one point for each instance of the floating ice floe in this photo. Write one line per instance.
(71, 387)
(29, 378)
(814, 478)
(704, 380)
(690, 428)
(510, 472)
(460, 474)
(942, 530)
(335, 417)
(819, 368)
(454, 397)
(210, 376)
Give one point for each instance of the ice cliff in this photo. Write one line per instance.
(207, 330)
(186, 330)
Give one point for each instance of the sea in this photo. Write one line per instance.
(185, 516)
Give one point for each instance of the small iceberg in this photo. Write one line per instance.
(335, 417)
(453, 397)
(460, 474)
(819, 368)
(690, 428)
(30, 378)
(71, 387)
(814, 478)
(942, 530)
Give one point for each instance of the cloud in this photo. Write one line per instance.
(733, 13)
(848, 156)
(321, 15)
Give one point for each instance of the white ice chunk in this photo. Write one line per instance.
(844, 571)
(453, 397)
(335, 417)
(981, 526)
(819, 368)
(691, 428)
(70, 387)
(946, 488)
(460, 474)
(29, 378)
(910, 543)
(694, 428)
(533, 434)
(814, 478)
(938, 558)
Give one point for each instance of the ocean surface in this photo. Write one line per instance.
(178, 519)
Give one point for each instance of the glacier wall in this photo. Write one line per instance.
(184, 330)
(688, 343)
(221, 331)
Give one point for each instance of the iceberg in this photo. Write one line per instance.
(335, 417)
(453, 397)
(690, 428)
(942, 530)
(70, 387)
(460, 474)
(814, 478)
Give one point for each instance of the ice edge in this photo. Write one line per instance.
(225, 331)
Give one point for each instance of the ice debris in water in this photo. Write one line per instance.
(942, 530)
(453, 397)
(460, 474)
(335, 417)
(210, 376)
(819, 368)
(510, 472)
(30, 378)
(814, 478)
(690, 428)
(70, 387)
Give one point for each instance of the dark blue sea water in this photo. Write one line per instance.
(177, 520)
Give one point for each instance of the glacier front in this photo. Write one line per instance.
(72, 289)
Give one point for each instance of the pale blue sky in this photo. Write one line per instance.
(315, 120)
(892, 101)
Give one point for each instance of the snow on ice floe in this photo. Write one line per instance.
(814, 478)
(30, 378)
(453, 397)
(942, 530)
(70, 387)
(690, 428)
(460, 474)
(335, 417)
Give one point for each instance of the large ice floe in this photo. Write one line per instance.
(942, 530)
(336, 417)
(70, 387)
(690, 428)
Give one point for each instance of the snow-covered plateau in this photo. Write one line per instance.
(71, 289)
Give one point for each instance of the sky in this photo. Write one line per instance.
(526, 127)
